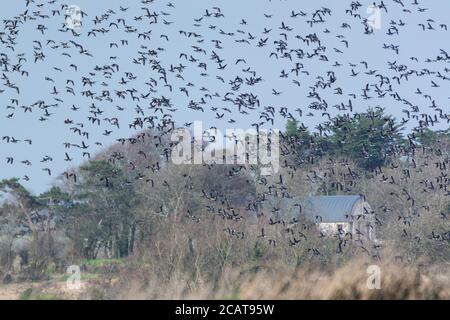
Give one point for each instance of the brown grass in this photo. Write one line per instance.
(347, 282)
(219, 266)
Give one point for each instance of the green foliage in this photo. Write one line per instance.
(292, 128)
(430, 138)
(24, 197)
(260, 250)
(368, 138)
(100, 214)
(301, 144)
(26, 294)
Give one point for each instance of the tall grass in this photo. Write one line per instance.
(203, 260)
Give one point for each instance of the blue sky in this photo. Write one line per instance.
(49, 136)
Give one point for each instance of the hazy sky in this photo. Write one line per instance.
(48, 136)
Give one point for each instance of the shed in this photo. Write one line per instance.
(341, 214)
(333, 215)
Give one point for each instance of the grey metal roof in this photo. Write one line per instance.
(330, 208)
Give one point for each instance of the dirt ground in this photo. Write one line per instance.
(49, 289)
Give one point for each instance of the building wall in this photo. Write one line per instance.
(362, 224)
(331, 228)
(356, 224)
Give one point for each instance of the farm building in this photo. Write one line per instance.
(332, 214)
(335, 214)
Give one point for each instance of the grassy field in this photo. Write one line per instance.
(132, 281)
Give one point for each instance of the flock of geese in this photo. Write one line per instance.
(146, 64)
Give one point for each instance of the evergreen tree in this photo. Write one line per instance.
(368, 138)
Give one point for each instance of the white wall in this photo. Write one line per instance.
(331, 228)
(363, 221)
